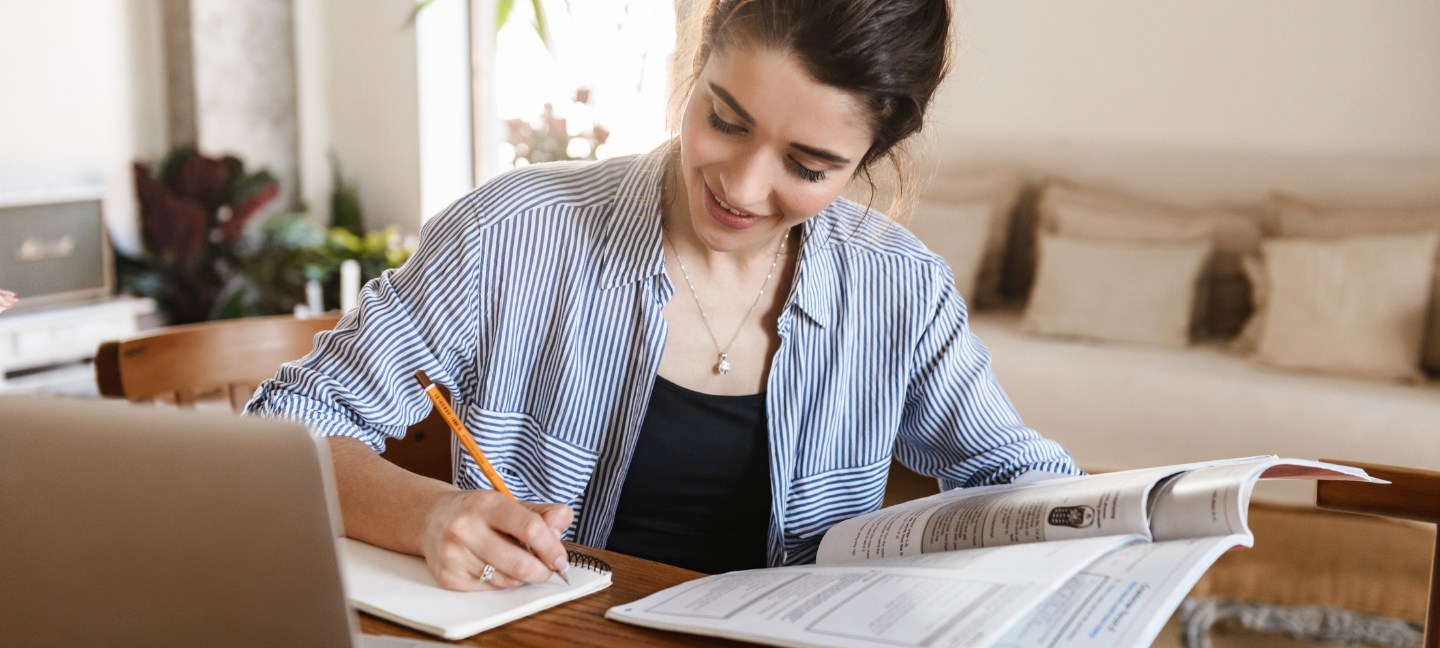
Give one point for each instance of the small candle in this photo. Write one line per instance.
(349, 285)
(314, 299)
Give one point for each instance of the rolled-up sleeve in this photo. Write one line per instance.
(957, 424)
(358, 381)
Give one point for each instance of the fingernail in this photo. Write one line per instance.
(562, 565)
(559, 535)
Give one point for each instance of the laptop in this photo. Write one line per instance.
(134, 526)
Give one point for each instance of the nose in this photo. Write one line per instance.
(748, 185)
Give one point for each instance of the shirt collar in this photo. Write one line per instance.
(631, 248)
(816, 288)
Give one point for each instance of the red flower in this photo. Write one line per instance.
(199, 177)
(517, 131)
(556, 125)
(174, 226)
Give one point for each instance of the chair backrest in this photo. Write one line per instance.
(232, 357)
(183, 362)
(1412, 494)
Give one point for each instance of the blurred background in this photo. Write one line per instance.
(1184, 230)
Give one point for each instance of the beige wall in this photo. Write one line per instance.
(365, 84)
(1208, 102)
(244, 79)
(72, 109)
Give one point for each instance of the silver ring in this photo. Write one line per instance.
(487, 573)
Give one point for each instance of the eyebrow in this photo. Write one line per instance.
(820, 153)
(729, 100)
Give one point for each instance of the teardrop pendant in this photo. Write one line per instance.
(724, 367)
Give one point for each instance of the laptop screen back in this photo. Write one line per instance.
(131, 526)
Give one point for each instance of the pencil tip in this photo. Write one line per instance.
(563, 577)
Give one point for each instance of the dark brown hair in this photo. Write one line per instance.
(891, 55)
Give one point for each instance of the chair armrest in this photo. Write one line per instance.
(1412, 494)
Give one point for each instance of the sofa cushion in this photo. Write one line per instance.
(1088, 212)
(1122, 291)
(958, 232)
(1290, 216)
(997, 188)
(1354, 306)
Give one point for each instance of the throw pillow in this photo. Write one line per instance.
(1295, 217)
(1097, 214)
(1354, 306)
(958, 232)
(1119, 291)
(1291, 216)
(997, 188)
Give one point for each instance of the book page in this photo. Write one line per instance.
(959, 599)
(1123, 599)
(1214, 501)
(991, 516)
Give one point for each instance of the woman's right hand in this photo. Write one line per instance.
(469, 529)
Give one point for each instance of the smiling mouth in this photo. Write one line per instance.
(727, 207)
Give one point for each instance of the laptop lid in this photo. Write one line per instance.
(133, 526)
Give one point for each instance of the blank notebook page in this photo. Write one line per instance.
(399, 588)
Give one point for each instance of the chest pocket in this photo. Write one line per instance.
(536, 466)
(818, 502)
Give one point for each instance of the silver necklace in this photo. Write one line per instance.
(724, 366)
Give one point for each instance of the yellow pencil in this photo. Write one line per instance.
(433, 391)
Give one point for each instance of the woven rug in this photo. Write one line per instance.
(1308, 623)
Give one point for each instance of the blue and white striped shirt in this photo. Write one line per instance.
(536, 300)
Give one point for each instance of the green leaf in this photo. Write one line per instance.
(542, 24)
(234, 307)
(502, 13)
(344, 201)
(503, 9)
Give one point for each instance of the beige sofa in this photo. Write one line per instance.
(1117, 406)
(1120, 406)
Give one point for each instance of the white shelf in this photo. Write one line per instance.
(66, 334)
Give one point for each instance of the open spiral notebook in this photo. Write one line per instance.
(399, 588)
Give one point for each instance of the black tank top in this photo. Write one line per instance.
(697, 494)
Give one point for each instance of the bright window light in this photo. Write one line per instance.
(605, 79)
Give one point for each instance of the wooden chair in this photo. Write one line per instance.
(1412, 494)
(230, 358)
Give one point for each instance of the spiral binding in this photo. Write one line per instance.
(587, 561)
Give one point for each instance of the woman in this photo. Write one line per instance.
(702, 355)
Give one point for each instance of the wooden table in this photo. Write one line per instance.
(582, 622)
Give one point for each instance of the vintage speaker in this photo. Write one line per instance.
(54, 250)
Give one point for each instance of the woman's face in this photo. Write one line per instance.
(761, 138)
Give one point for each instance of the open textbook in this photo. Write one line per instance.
(1101, 560)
